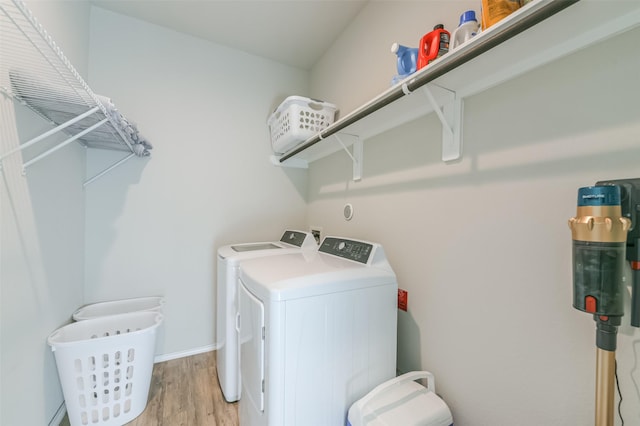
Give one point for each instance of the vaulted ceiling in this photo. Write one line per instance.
(293, 32)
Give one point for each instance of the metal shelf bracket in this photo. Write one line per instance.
(450, 115)
(296, 163)
(356, 154)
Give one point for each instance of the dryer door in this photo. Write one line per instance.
(251, 347)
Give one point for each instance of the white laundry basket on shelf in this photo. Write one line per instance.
(101, 309)
(105, 366)
(296, 119)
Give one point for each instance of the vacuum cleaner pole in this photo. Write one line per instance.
(605, 373)
(606, 333)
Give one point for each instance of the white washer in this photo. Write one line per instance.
(229, 258)
(317, 332)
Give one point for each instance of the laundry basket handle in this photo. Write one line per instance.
(407, 377)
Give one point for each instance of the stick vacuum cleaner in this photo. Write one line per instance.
(600, 248)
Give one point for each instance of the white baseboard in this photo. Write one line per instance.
(182, 354)
(57, 418)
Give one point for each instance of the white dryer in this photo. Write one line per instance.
(229, 259)
(317, 332)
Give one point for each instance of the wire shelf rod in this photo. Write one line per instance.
(108, 169)
(62, 144)
(49, 133)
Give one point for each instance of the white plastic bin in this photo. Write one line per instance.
(401, 401)
(116, 307)
(297, 119)
(105, 366)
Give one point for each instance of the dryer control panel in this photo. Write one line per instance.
(358, 251)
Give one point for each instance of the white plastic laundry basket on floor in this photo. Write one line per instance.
(96, 310)
(401, 401)
(105, 366)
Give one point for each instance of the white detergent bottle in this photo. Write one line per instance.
(468, 28)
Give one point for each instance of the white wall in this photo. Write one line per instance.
(153, 226)
(42, 239)
(360, 65)
(482, 245)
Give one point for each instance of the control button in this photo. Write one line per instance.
(590, 304)
(341, 245)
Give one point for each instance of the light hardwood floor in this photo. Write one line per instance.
(185, 392)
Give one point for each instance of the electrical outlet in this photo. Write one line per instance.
(403, 299)
(316, 231)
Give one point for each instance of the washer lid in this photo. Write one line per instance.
(309, 273)
(290, 241)
(254, 246)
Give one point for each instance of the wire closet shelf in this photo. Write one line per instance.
(35, 72)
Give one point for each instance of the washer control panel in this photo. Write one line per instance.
(349, 249)
(294, 238)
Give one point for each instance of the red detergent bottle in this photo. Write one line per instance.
(433, 45)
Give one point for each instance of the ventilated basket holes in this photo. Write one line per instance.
(116, 410)
(105, 360)
(129, 372)
(116, 376)
(82, 401)
(106, 334)
(127, 389)
(105, 396)
(84, 418)
(92, 363)
(93, 381)
(78, 365)
(105, 379)
(127, 406)
(130, 355)
(95, 418)
(94, 336)
(105, 414)
(116, 393)
(80, 383)
(118, 357)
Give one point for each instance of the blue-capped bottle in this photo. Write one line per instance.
(468, 28)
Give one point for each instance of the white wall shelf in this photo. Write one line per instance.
(35, 73)
(537, 34)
